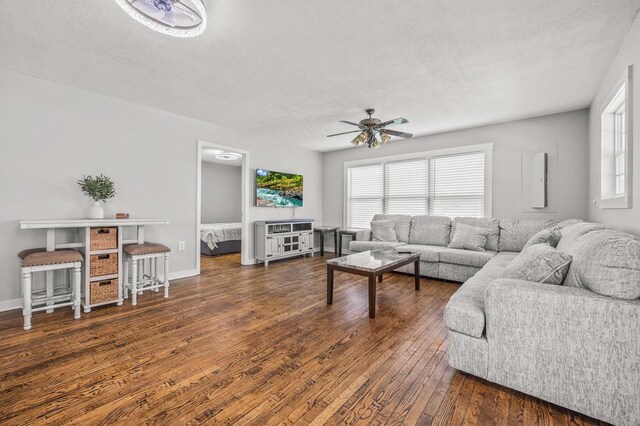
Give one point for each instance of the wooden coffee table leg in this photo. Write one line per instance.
(380, 278)
(335, 242)
(329, 285)
(417, 274)
(372, 296)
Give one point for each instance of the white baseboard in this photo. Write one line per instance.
(10, 305)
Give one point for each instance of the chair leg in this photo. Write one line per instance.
(26, 299)
(166, 275)
(134, 282)
(154, 267)
(77, 278)
(49, 289)
(140, 273)
(125, 279)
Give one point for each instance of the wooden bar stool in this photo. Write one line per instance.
(68, 294)
(137, 258)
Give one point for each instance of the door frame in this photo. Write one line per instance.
(245, 199)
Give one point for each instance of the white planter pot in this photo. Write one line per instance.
(97, 212)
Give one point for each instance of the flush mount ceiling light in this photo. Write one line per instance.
(178, 18)
(228, 156)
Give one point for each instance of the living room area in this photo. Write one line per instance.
(307, 213)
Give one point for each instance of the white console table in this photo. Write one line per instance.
(84, 227)
(280, 239)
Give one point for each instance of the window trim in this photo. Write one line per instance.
(487, 148)
(611, 200)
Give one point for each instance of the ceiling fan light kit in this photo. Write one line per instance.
(177, 18)
(373, 132)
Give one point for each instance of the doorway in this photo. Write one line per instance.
(222, 221)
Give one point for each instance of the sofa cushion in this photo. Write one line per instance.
(539, 263)
(383, 230)
(430, 230)
(559, 226)
(514, 233)
(465, 257)
(402, 224)
(457, 273)
(608, 263)
(427, 253)
(492, 225)
(546, 236)
(469, 237)
(570, 244)
(359, 246)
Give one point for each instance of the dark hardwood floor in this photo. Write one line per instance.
(254, 345)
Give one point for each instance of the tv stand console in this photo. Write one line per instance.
(280, 239)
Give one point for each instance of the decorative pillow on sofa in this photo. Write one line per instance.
(469, 237)
(539, 263)
(383, 230)
(546, 236)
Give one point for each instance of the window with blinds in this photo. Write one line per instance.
(407, 187)
(449, 185)
(457, 185)
(365, 189)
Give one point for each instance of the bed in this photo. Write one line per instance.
(220, 238)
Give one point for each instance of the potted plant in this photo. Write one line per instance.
(99, 188)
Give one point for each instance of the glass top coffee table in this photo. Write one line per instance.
(371, 264)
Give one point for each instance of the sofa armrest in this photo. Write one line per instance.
(363, 235)
(566, 345)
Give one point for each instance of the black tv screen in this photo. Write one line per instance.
(277, 189)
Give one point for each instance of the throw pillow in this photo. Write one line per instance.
(469, 237)
(546, 236)
(539, 263)
(383, 230)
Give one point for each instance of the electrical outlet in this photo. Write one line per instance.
(181, 245)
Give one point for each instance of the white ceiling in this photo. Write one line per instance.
(288, 70)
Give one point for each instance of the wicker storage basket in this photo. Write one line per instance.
(104, 238)
(104, 291)
(103, 264)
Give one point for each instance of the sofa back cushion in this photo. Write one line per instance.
(491, 225)
(402, 224)
(539, 263)
(604, 261)
(383, 230)
(430, 230)
(514, 233)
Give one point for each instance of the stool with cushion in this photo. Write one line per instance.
(67, 294)
(141, 259)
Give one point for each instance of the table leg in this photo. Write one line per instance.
(417, 274)
(372, 296)
(329, 285)
(340, 244)
(321, 243)
(140, 234)
(335, 242)
(380, 278)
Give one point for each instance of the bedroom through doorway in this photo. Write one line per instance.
(220, 208)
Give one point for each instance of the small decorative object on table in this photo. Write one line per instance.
(99, 188)
(122, 215)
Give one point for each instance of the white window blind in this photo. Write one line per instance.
(457, 185)
(407, 187)
(365, 191)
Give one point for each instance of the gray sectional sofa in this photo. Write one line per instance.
(576, 345)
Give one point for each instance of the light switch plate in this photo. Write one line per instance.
(181, 245)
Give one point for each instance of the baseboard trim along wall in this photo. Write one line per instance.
(10, 305)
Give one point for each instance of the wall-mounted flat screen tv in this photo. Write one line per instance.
(276, 189)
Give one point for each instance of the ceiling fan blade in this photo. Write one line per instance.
(399, 134)
(343, 133)
(394, 122)
(181, 9)
(349, 122)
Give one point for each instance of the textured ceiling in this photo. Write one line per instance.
(288, 70)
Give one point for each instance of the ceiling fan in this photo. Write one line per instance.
(373, 132)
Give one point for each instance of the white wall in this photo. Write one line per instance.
(51, 134)
(563, 136)
(221, 193)
(623, 219)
